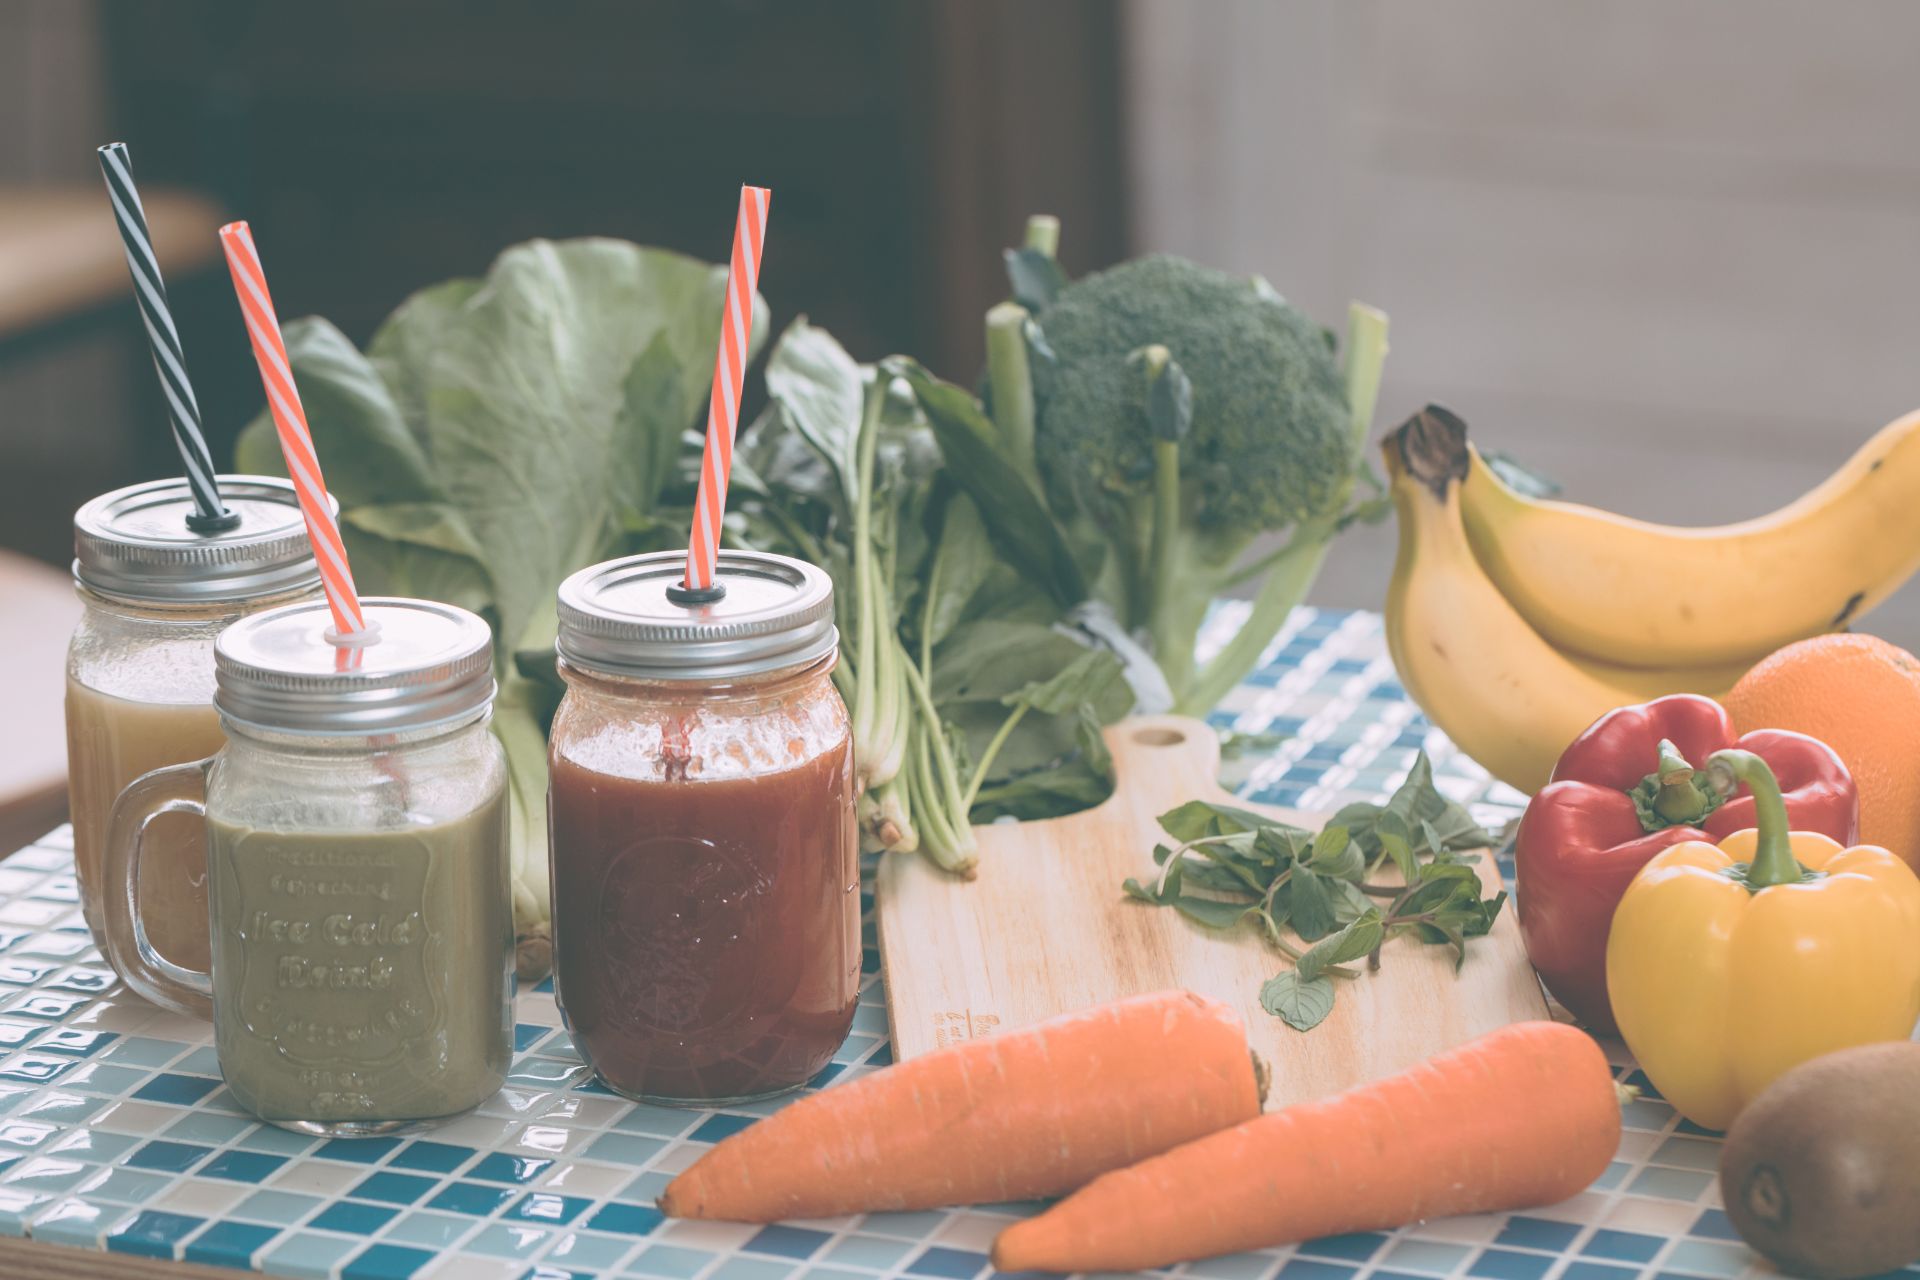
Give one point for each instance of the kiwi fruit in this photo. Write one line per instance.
(1821, 1172)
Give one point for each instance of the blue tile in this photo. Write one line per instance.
(949, 1264)
(1626, 1246)
(624, 1148)
(721, 1126)
(394, 1188)
(1537, 1233)
(1714, 1225)
(546, 1271)
(1309, 1269)
(24, 973)
(153, 1234)
(526, 1035)
(37, 1067)
(14, 1033)
(386, 1262)
(178, 1090)
(357, 1150)
(435, 1230)
(242, 1166)
(627, 1219)
(51, 1005)
(81, 978)
(282, 1207)
(100, 1078)
(74, 1042)
(1357, 1247)
(470, 1198)
(125, 1186)
(501, 1167)
(145, 1051)
(212, 1130)
(306, 1256)
(507, 1240)
(1578, 1270)
(584, 1249)
(826, 1074)
(788, 1242)
(354, 1219)
(229, 1244)
(668, 1261)
(548, 1209)
(169, 1157)
(433, 1157)
(1504, 1264)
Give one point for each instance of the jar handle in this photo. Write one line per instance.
(180, 788)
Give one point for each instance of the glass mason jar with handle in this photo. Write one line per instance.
(140, 668)
(356, 834)
(705, 858)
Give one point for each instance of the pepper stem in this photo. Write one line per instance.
(1773, 861)
(1673, 795)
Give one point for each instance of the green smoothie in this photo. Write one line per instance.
(360, 978)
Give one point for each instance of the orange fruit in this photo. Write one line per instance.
(1860, 696)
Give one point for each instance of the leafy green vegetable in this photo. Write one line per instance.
(1233, 864)
(967, 701)
(498, 434)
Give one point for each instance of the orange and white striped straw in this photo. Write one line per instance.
(290, 420)
(729, 375)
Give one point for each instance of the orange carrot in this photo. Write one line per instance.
(1525, 1116)
(1027, 1113)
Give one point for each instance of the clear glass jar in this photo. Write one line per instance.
(140, 668)
(356, 833)
(706, 882)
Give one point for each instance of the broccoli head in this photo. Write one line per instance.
(1269, 444)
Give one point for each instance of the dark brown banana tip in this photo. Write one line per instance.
(1433, 448)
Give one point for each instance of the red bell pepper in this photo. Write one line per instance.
(1623, 792)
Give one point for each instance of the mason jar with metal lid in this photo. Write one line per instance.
(140, 667)
(706, 881)
(356, 834)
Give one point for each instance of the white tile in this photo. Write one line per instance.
(586, 1179)
(466, 1266)
(717, 1236)
(549, 1140)
(475, 1131)
(1474, 1229)
(1657, 1217)
(676, 1159)
(135, 1117)
(318, 1177)
(202, 1198)
(970, 1231)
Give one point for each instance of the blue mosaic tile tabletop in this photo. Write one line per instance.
(116, 1132)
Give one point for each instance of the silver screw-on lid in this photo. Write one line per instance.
(617, 617)
(429, 664)
(134, 543)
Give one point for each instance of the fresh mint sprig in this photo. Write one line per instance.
(1323, 890)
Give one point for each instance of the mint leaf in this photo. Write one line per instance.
(1359, 937)
(1302, 1004)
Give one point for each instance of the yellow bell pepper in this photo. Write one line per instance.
(1730, 964)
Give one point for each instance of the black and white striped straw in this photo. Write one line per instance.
(183, 411)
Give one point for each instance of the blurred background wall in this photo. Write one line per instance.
(1665, 252)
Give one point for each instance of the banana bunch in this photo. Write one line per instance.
(1516, 622)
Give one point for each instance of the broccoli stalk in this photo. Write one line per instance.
(1169, 416)
(1290, 571)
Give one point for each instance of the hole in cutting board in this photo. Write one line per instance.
(1159, 737)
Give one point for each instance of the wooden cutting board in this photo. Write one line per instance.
(1046, 929)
